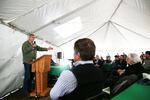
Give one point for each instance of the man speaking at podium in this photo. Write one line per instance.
(29, 50)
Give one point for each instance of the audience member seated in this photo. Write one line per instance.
(116, 62)
(84, 80)
(142, 56)
(146, 64)
(134, 65)
(107, 65)
(98, 62)
(123, 62)
(115, 66)
(108, 60)
(101, 61)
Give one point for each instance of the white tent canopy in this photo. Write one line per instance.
(114, 25)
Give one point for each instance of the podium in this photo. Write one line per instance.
(41, 68)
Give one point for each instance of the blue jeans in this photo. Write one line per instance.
(28, 77)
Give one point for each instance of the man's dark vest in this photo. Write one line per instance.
(90, 81)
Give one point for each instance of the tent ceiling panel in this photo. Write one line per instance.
(134, 15)
(43, 16)
(134, 41)
(48, 13)
(11, 9)
(91, 19)
(104, 38)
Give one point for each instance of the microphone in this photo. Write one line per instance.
(34, 42)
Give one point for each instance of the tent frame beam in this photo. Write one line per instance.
(30, 11)
(22, 31)
(61, 17)
(13, 27)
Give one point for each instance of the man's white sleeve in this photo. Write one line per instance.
(65, 84)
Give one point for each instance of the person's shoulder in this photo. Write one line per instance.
(148, 60)
(66, 73)
(139, 64)
(25, 43)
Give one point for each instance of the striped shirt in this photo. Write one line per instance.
(66, 82)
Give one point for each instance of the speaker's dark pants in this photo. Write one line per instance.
(28, 77)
